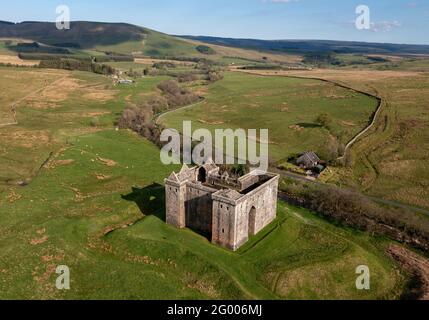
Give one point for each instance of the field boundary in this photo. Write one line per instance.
(157, 118)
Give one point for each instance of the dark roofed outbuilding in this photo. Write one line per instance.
(308, 160)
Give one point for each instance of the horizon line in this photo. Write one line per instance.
(224, 37)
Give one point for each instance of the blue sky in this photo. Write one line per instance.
(397, 21)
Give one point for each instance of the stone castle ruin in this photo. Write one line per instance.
(228, 210)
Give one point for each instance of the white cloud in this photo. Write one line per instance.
(385, 26)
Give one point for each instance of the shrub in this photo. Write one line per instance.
(205, 49)
(187, 77)
(95, 122)
(158, 104)
(163, 65)
(214, 76)
(139, 119)
(35, 47)
(324, 120)
(114, 58)
(175, 95)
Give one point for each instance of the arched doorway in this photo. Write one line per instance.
(202, 175)
(252, 222)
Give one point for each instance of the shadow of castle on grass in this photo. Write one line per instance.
(149, 199)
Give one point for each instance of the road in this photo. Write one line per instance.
(158, 117)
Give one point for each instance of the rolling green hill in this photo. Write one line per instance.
(117, 37)
(95, 38)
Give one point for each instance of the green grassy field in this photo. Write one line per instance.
(3, 48)
(391, 160)
(97, 206)
(15, 86)
(106, 222)
(80, 103)
(287, 107)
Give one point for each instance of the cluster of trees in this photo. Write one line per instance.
(204, 69)
(262, 67)
(164, 65)
(352, 209)
(140, 117)
(35, 47)
(321, 58)
(137, 73)
(140, 120)
(175, 95)
(187, 77)
(67, 45)
(81, 65)
(175, 58)
(205, 49)
(214, 75)
(58, 55)
(210, 70)
(331, 149)
(48, 56)
(114, 58)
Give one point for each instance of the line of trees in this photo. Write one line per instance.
(139, 117)
(352, 209)
(81, 65)
(140, 120)
(175, 95)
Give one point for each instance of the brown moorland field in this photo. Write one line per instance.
(50, 105)
(223, 51)
(17, 84)
(9, 59)
(392, 159)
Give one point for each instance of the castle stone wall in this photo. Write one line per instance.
(255, 211)
(175, 196)
(199, 205)
(230, 217)
(224, 214)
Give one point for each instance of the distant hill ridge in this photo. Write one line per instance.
(128, 38)
(309, 46)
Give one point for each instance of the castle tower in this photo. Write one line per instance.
(175, 196)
